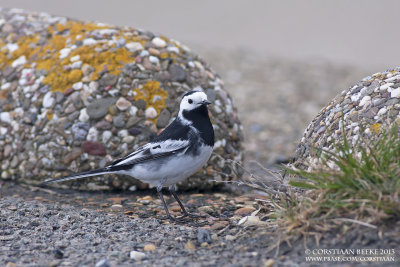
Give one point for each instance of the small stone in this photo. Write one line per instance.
(219, 225)
(70, 108)
(83, 116)
(177, 73)
(74, 154)
(395, 93)
(108, 80)
(206, 209)
(79, 130)
(203, 235)
(5, 117)
(92, 134)
(189, 245)
(103, 125)
(77, 86)
(134, 46)
(366, 99)
(12, 208)
(164, 118)
(269, 263)
(251, 220)
(19, 61)
(7, 151)
(135, 131)
(99, 108)
(244, 211)
(154, 59)
(230, 238)
(119, 121)
(133, 110)
(123, 104)
(105, 137)
(149, 247)
(136, 255)
(154, 52)
(117, 207)
(103, 263)
(58, 254)
(94, 148)
(150, 113)
(157, 41)
(48, 100)
(87, 69)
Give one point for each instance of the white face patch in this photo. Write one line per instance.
(192, 101)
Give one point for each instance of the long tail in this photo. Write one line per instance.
(79, 176)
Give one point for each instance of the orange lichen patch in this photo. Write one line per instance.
(101, 54)
(49, 114)
(153, 95)
(375, 128)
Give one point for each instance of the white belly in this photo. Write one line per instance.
(170, 170)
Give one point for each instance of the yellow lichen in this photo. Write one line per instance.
(375, 128)
(101, 55)
(153, 95)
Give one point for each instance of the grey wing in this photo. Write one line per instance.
(152, 151)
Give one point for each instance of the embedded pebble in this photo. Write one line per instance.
(157, 41)
(5, 117)
(149, 247)
(99, 108)
(94, 148)
(134, 46)
(48, 100)
(136, 255)
(123, 104)
(203, 235)
(150, 113)
(83, 116)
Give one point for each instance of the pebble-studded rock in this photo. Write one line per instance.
(365, 109)
(77, 95)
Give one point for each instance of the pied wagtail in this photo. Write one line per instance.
(177, 153)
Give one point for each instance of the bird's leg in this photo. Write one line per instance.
(185, 213)
(165, 205)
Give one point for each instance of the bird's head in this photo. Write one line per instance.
(193, 100)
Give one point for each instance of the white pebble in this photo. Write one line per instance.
(157, 41)
(134, 46)
(89, 41)
(19, 61)
(123, 133)
(136, 255)
(154, 59)
(5, 86)
(366, 99)
(76, 65)
(83, 116)
(77, 86)
(92, 134)
(381, 111)
(5, 117)
(173, 49)
(385, 86)
(133, 110)
(355, 97)
(12, 47)
(75, 58)
(250, 220)
(150, 113)
(144, 53)
(3, 130)
(395, 92)
(48, 100)
(65, 52)
(106, 136)
(128, 139)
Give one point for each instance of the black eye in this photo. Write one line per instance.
(190, 101)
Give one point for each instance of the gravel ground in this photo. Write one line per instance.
(276, 100)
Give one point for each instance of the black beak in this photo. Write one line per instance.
(205, 102)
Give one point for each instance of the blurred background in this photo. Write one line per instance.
(281, 60)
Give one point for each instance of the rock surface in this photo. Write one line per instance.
(105, 90)
(364, 109)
